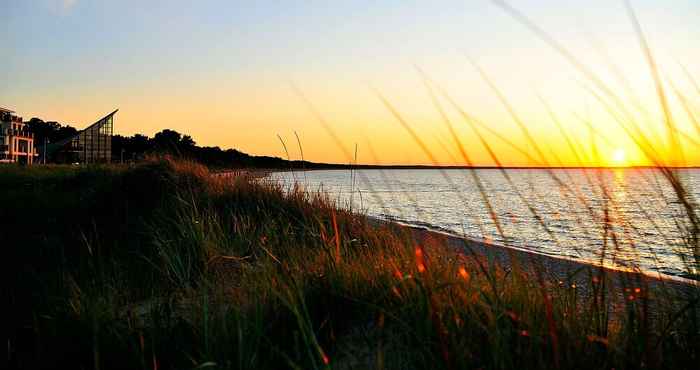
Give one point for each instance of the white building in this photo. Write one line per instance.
(16, 141)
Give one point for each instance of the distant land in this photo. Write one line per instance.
(167, 141)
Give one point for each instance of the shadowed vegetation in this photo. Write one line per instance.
(163, 265)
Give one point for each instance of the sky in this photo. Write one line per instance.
(237, 74)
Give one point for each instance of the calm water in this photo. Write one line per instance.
(644, 215)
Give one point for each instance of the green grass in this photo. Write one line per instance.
(163, 266)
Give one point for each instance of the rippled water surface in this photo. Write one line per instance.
(556, 212)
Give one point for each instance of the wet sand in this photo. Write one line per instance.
(556, 270)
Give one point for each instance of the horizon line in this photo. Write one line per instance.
(426, 166)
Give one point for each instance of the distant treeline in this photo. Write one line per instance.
(51, 130)
(176, 144)
(137, 147)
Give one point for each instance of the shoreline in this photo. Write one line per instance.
(559, 265)
(556, 268)
(169, 261)
(341, 167)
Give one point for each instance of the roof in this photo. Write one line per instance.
(99, 122)
(5, 110)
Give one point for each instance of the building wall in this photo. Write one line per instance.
(16, 142)
(91, 145)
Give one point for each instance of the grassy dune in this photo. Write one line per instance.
(164, 266)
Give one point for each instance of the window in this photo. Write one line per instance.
(23, 146)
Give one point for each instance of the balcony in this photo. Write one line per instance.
(10, 118)
(26, 133)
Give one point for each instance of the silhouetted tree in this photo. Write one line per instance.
(187, 142)
(131, 148)
(52, 130)
(140, 144)
(167, 141)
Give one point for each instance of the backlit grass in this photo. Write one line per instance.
(162, 265)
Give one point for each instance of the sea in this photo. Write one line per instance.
(626, 218)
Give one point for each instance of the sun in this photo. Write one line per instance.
(619, 157)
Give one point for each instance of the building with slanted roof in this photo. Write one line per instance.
(91, 145)
(16, 140)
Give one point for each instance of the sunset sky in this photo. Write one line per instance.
(222, 71)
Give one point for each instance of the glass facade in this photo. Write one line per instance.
(91, 145)
(94, 144)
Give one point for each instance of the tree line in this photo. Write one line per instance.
(137, 147)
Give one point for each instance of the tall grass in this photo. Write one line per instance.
(628, 307)
(165, 265)
(241, 273)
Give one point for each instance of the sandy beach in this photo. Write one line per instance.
(557, 270)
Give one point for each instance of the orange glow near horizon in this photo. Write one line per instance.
(227, 83)
(380, 138)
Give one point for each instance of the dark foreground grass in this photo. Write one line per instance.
(164, 266)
